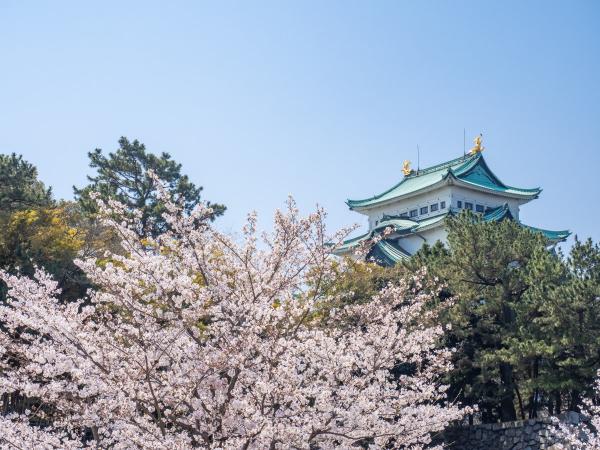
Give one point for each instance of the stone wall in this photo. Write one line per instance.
(536, 434)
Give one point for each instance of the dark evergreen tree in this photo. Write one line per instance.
(525, 320)
(561, 327)
(19, 185)
(485, 266)
(123, 176)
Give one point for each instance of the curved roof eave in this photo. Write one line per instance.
(388, 253)
(510, 191)
(387, 201)
(554, 236)
(350, 202)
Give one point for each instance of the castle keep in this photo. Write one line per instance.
(413, 211)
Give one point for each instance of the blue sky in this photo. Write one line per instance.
(322, 100)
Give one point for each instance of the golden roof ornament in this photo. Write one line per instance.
(478, 148)
(406, 170)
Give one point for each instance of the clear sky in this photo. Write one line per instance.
(322, 100)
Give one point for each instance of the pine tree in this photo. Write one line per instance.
(123, 176)
(484, 265)
(563, 325)
(19, 185)
(525, 320)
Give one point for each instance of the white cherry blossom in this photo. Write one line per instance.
(197, 340)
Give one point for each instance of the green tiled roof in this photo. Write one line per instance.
(388, 251)
(400, 226)
(553, 236)
(502, 212)
(431, 221)
(497, 214)
(352, 243)
(471, 170)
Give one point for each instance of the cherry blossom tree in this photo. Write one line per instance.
(583, 435)
(197, 339)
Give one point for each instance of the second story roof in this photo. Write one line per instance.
(388, 250)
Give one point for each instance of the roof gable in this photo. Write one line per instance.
(481, 175)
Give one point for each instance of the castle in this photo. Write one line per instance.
(413, 211)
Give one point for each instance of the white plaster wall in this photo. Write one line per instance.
(413, 242)
(448, 193)
(451, 194)
(483, 198)
(416, 202)
(435, 234)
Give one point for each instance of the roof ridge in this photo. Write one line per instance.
(442, 166)
(523, 189)
(425, 171)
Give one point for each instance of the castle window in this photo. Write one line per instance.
(433, 207)
(414, 213)
(459, 204)
(442, 205)
(479, 208)
(424, 210)
(469, 206)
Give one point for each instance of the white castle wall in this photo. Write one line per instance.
(416, 202)
(483, 198)
(450, 194)
(414, 242)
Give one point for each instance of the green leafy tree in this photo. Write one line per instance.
(36, 231)
(123, 176)
(44, 237)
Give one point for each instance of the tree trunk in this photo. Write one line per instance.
(536, 393)
(507, 403)
(520, 402)
(575, 400)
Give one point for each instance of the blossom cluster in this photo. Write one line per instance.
(196, 339)
(583, 435)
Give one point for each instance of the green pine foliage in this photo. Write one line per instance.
(19, 185)
(123, 176)
(563, 326)
(524, 321)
